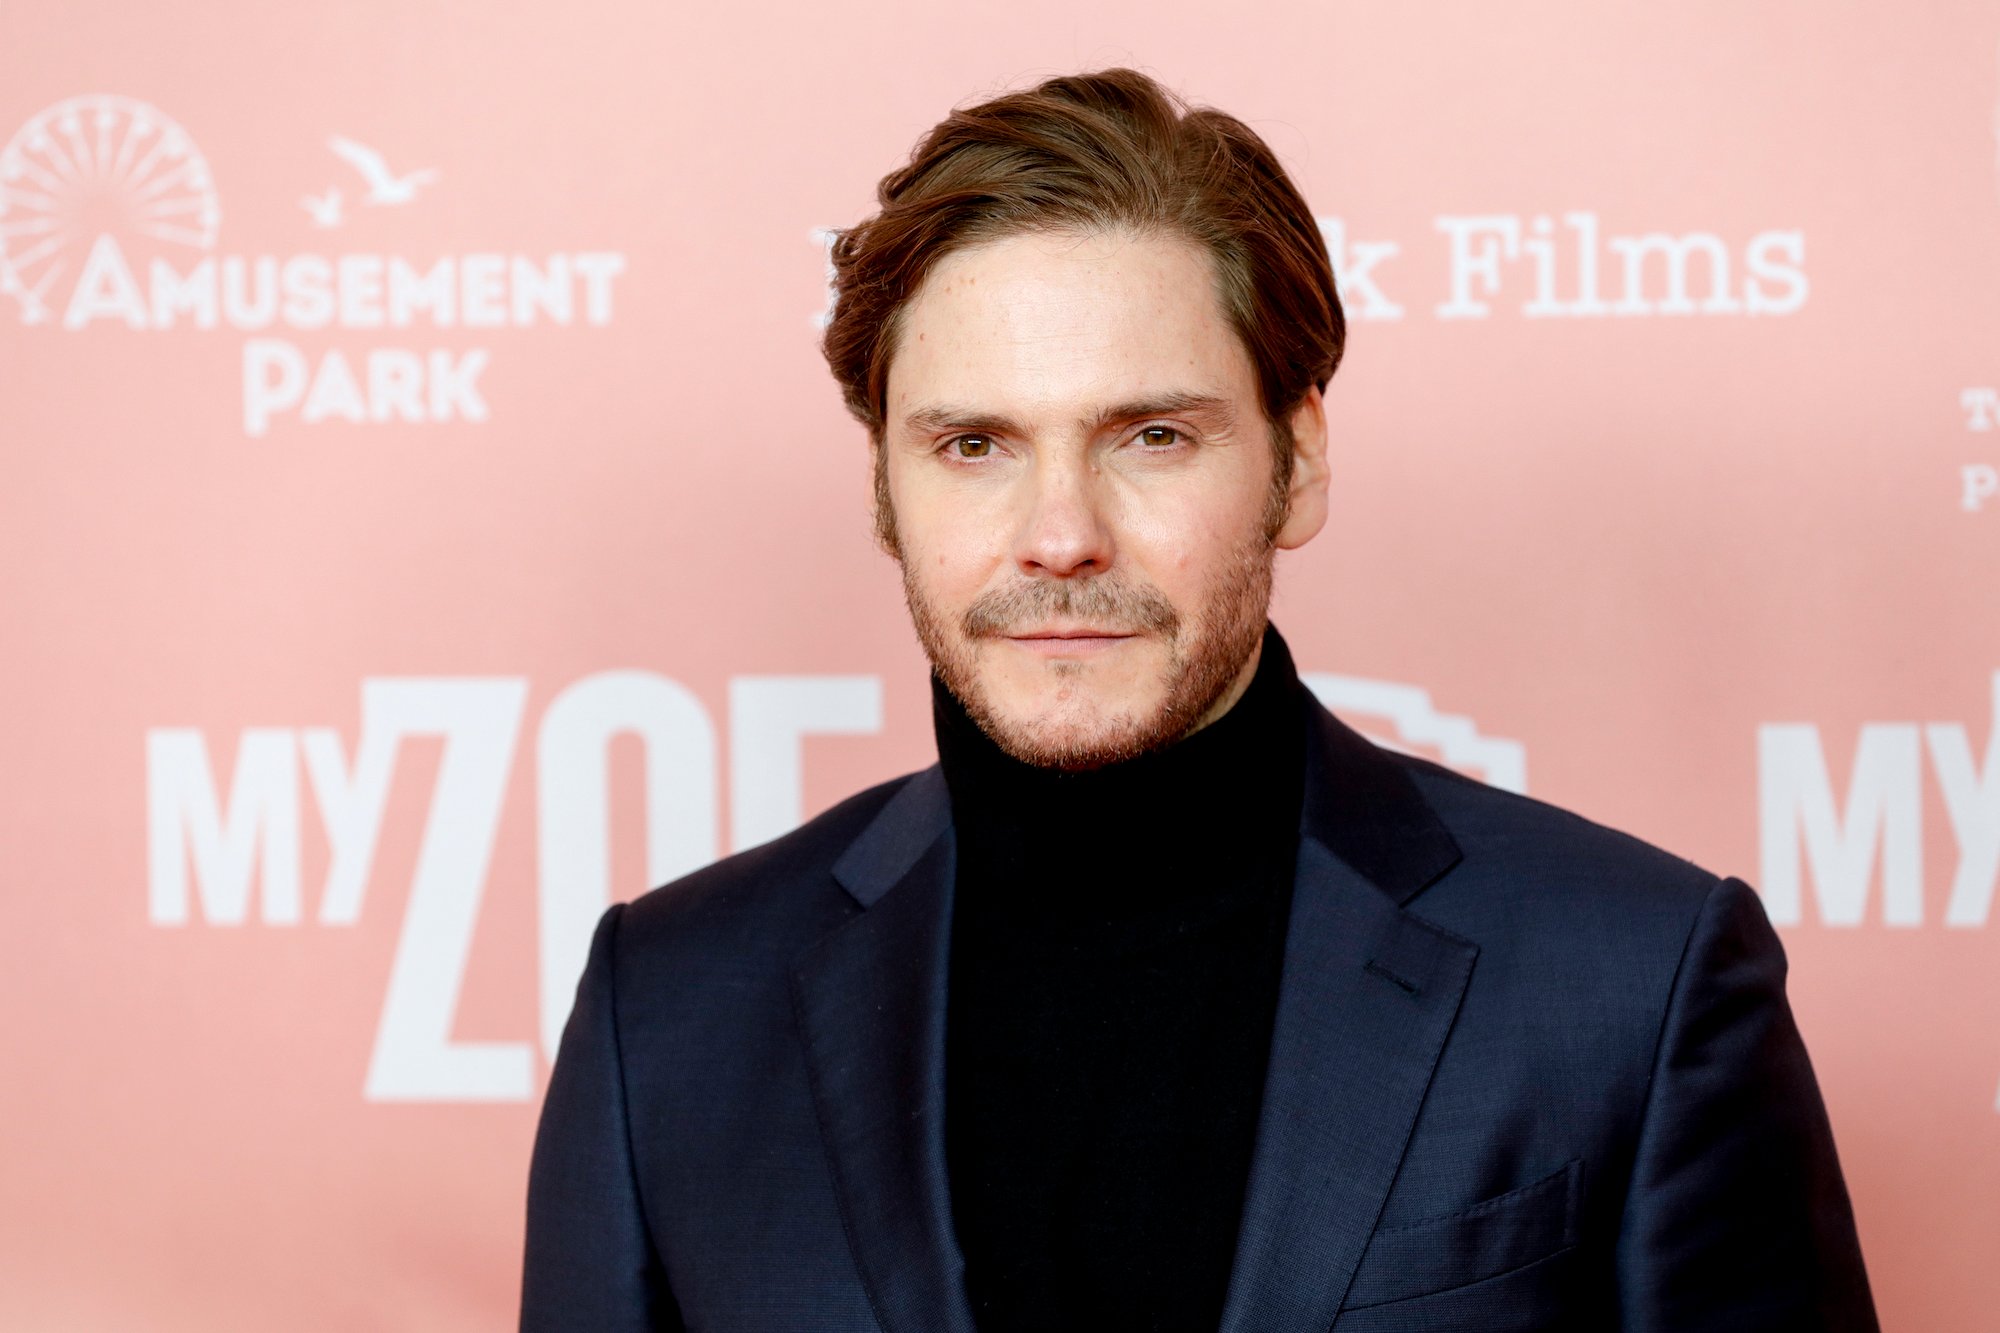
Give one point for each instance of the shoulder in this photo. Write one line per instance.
(1585, 926)
(1546, 839)
(1531, 867)
(778, 895)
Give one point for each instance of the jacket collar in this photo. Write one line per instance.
(902, 831)
(1367, 997)
(1362, 806)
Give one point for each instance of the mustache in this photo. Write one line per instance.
(1100, 601)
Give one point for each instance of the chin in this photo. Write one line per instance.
(1073, 732)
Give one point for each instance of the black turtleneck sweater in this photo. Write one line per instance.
(1117, 936)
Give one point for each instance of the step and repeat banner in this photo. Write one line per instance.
(427, 518)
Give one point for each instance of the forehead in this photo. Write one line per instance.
(1056, 322)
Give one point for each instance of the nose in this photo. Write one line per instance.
(1065, 532)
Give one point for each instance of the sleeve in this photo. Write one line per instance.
(1737, 1217)
(589, 1263)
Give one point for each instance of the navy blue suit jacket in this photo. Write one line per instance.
(1527, 1073)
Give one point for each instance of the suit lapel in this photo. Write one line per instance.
(871, 1006)
(1367, 997)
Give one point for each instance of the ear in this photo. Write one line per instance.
(1306, 511)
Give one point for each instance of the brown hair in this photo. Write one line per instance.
(1092, 152)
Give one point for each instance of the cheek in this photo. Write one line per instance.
(950, 572)
(1177, 546)
(954, 542)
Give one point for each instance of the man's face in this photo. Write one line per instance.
(1080, 482)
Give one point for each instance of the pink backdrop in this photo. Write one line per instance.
(390, 577)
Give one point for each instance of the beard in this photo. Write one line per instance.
(1206, 653)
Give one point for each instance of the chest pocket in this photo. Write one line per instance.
(1493, 1237)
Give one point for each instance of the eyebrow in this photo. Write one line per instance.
(943, 417)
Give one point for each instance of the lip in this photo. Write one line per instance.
(1070, 641)
(1081, 632)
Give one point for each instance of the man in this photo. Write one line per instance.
(1165, 1001)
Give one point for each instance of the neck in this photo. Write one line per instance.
(1181, 824)
(1248, 751)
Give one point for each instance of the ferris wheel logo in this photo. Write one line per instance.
(93, 165)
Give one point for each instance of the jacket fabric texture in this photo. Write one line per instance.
(1526, 1073)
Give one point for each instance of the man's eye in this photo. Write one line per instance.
(971, 446)
(1159, 436)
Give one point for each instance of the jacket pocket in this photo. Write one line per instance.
(1492, 1237)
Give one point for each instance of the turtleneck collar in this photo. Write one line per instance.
(1179, 825)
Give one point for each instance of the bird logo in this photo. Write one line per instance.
(384, 186)
(324, 208)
